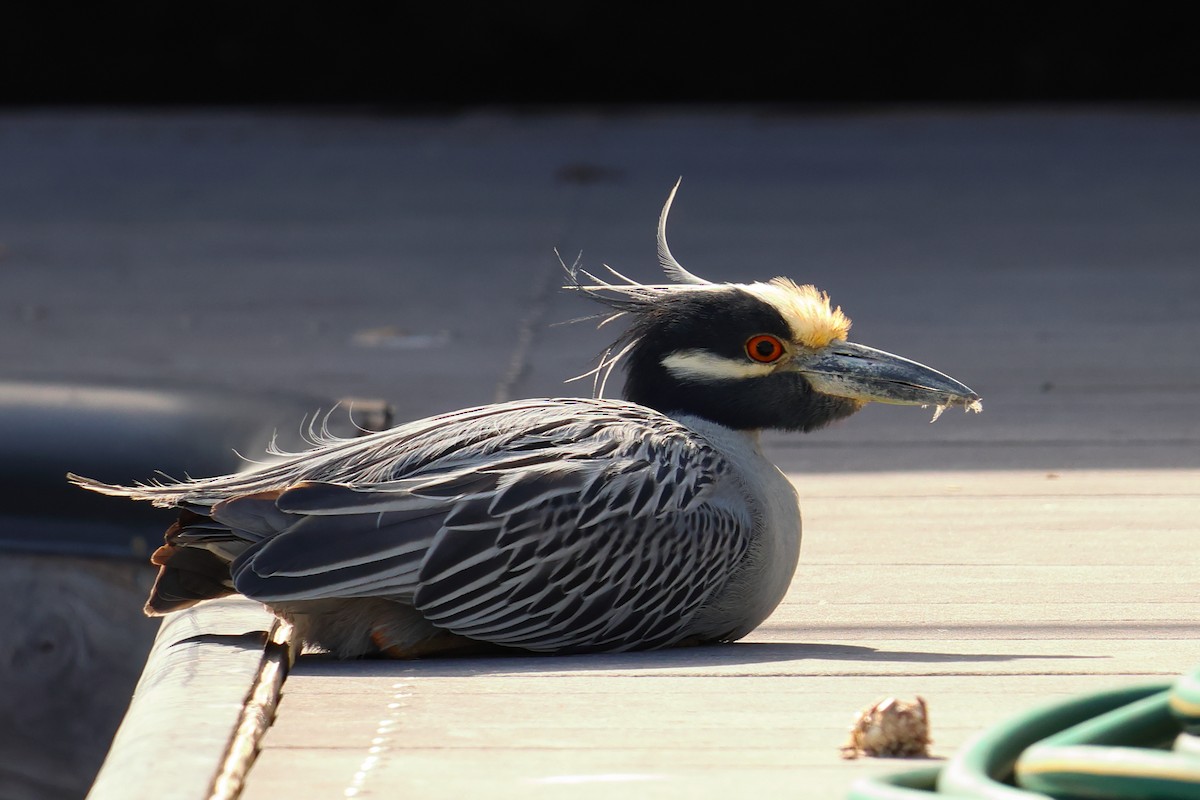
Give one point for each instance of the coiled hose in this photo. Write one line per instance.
(1140, 742)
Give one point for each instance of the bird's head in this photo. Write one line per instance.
(753, 355)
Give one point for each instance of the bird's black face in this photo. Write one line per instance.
(750, 356)
(766, 356)
(716, 355)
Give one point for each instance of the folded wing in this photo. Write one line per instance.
(563, 525)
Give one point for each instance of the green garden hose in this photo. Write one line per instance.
(912, 785)
(1116, 755)
(1185, 702)
(1139, 742)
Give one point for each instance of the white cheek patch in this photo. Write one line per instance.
(701, 365)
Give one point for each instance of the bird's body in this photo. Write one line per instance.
(554, 525)
(564, 513)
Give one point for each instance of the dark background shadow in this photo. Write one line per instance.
(396, 57)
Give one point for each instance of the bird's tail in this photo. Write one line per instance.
(193, 563)
(186, 574)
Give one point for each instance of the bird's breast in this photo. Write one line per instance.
(764, 575)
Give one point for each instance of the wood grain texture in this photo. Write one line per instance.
(937, 585)
(989, 563)
(72, 644)
(188, 703)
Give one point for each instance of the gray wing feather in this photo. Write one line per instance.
(553, 525)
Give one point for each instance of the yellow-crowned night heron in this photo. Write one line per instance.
(561, 525)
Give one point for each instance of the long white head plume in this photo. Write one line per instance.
(673, 268)
(814, 322)
(806, 309)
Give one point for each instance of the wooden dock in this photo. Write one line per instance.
(990, 563)
(981, 620)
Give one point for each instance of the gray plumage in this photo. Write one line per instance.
(549, 525)
(555, 525)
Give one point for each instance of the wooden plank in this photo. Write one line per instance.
(971, 590)
(188, 704)
(1041, 258)
(442, 737)
(72, 643)
(1022, 483)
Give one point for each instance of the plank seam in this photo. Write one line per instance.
(258, 713)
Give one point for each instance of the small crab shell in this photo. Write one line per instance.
(891, 727)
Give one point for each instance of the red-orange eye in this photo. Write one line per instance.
(764, 348)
